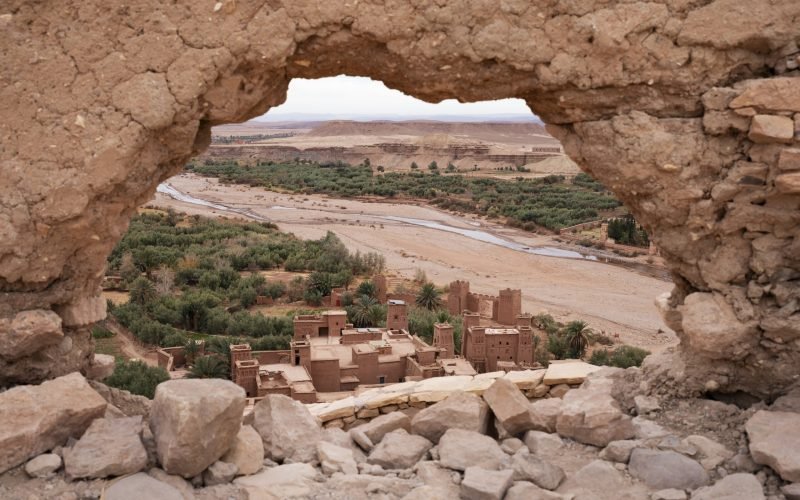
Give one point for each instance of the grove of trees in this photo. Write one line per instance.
(551, 202)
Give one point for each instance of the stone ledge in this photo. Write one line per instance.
(533, 382)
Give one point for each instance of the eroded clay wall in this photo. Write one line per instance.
(658, 100)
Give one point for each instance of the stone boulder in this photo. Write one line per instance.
(545, 412)
(666, 469)
(378, 427)
(765, 129)
(512, 445)
(399, 450)
(459, 449)
(529, 467)
(29, 332)
(334, 458)
(523, 490)
(287, 429)
(101, 368)
(43, 466)
(177, 482)
(620, 451)
(284, 481)
(433, 474)
(485, 484)
(543, 443)
(337, 437)
(791, 491)
(775, 441)
(194, 422)
(110, 447)
(599, 480)
(462, 410)
(510, 407)
(712, 327)
(247, 451)
(219, 473)
(129, 404)
(647, 429)
(788, 402)
(710, 453)
(669, 494)
(592, 416)
(37, 418)
(733, 487)
(364, 486)
(141, 486)
(426, 492)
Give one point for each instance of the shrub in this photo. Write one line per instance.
(99, 332)
(624, 356)
(136, 377)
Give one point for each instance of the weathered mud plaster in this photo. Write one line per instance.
(688, 110)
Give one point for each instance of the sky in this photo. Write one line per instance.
(363, 96)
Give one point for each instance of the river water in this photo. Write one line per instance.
(474, 234)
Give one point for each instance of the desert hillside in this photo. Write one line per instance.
(488, 148)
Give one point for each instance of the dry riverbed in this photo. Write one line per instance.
(610, 298)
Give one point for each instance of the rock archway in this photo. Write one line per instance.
(688, 110)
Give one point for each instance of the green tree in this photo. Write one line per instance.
(433, 166)
(220, 346)
(557, 345)
(142, 291)
(136, 377)
(247, 297)
(321, 282)
(343, 278)
(208, 367)
(414, 166)
(127, 269)
(429, 297)
(577, 336)
(367, 288)
(365, 312)
(190, 350)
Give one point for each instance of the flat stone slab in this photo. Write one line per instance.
(526, 379)
(478, 386)
(568, 372)
(337, 409)
(775, 441)
(435, 389)
(37, 418)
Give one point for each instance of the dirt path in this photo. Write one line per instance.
(612, 299)
(129, 348)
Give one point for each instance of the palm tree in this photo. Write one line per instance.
(142, 291)
(208, 367)
(190, 350)
(220, 346)
(577, 335)
(363, 311)
(429, 297)
(367, 288)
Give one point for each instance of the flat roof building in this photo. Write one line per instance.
(329, 355)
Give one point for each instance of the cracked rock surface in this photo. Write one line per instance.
(686, 110)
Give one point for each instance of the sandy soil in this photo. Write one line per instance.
(613, 299)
